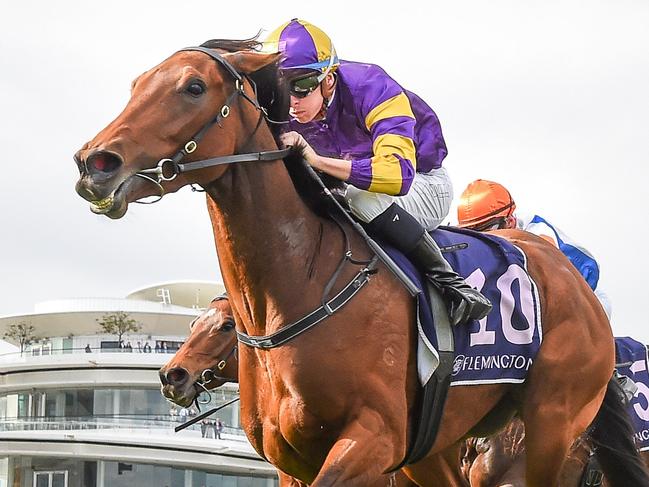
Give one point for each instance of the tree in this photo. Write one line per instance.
(22, 333)
(119, 323)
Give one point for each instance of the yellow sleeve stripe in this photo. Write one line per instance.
(386, 167)
(386, 175)
(397, 106)
(388, 144)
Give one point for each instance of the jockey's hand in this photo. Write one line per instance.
(293, 139)
(338, 168)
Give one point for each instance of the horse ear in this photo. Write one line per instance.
(247, 62)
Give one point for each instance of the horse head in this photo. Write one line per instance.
(208, 358)
(172, 106)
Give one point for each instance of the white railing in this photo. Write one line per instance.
(29, 354)
(157, 424)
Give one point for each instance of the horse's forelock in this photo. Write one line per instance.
(270, 92)
(234, 45)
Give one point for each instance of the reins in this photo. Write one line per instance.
(195, 420)
(168, 169)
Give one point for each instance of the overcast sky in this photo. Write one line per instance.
(550, 98)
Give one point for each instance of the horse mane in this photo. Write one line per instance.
(272, 94)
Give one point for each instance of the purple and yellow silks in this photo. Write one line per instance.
(387, 132)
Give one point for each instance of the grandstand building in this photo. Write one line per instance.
(79, 408)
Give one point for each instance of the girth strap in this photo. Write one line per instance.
(289, 332)
(592, 475)
(432, 397)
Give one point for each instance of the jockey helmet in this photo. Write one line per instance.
(485, 204)
(308, 54)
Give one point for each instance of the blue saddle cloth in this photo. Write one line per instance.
(631, 357)
(502, 346)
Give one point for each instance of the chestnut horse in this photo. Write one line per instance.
(208, 358)
(336, 405)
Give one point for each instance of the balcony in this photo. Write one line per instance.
(121, 425)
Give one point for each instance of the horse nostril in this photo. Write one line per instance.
(103, 162)
(177, 376)
(79, 162)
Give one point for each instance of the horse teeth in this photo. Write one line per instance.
(103, 204)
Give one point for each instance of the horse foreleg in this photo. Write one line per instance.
(440, 469)
(515, 475)
(288, 481)
(547, 448)
(363, 451)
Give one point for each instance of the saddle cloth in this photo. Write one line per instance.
(501, 347)
(631, 360)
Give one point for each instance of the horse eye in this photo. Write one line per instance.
(195, 88)
(227, 326)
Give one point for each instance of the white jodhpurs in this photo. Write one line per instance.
(428, 200)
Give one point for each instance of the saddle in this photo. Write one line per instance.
(494, 261)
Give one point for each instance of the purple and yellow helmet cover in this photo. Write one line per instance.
(303, 45)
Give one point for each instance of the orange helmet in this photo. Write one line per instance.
(483, 204)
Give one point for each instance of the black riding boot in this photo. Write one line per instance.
(400, 229)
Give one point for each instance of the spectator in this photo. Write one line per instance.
(204, 424)
(128, 347)
(157, 347)
(139, 346)
(218, 427)
(211, 425)
(88, 349)
(184, 412)
(146, 348)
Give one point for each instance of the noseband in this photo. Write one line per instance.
(211, 374)
(208, 375)
(168, 168)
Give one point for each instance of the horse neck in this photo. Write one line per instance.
(269, 244)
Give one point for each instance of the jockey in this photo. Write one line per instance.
(352, 121)
(486, 205)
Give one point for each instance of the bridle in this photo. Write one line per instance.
(211, 374)
(168, 169)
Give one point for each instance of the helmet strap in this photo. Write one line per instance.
(327, 96)
(327, 88)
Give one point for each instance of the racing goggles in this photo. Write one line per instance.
(493, 224)
(305, 85)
